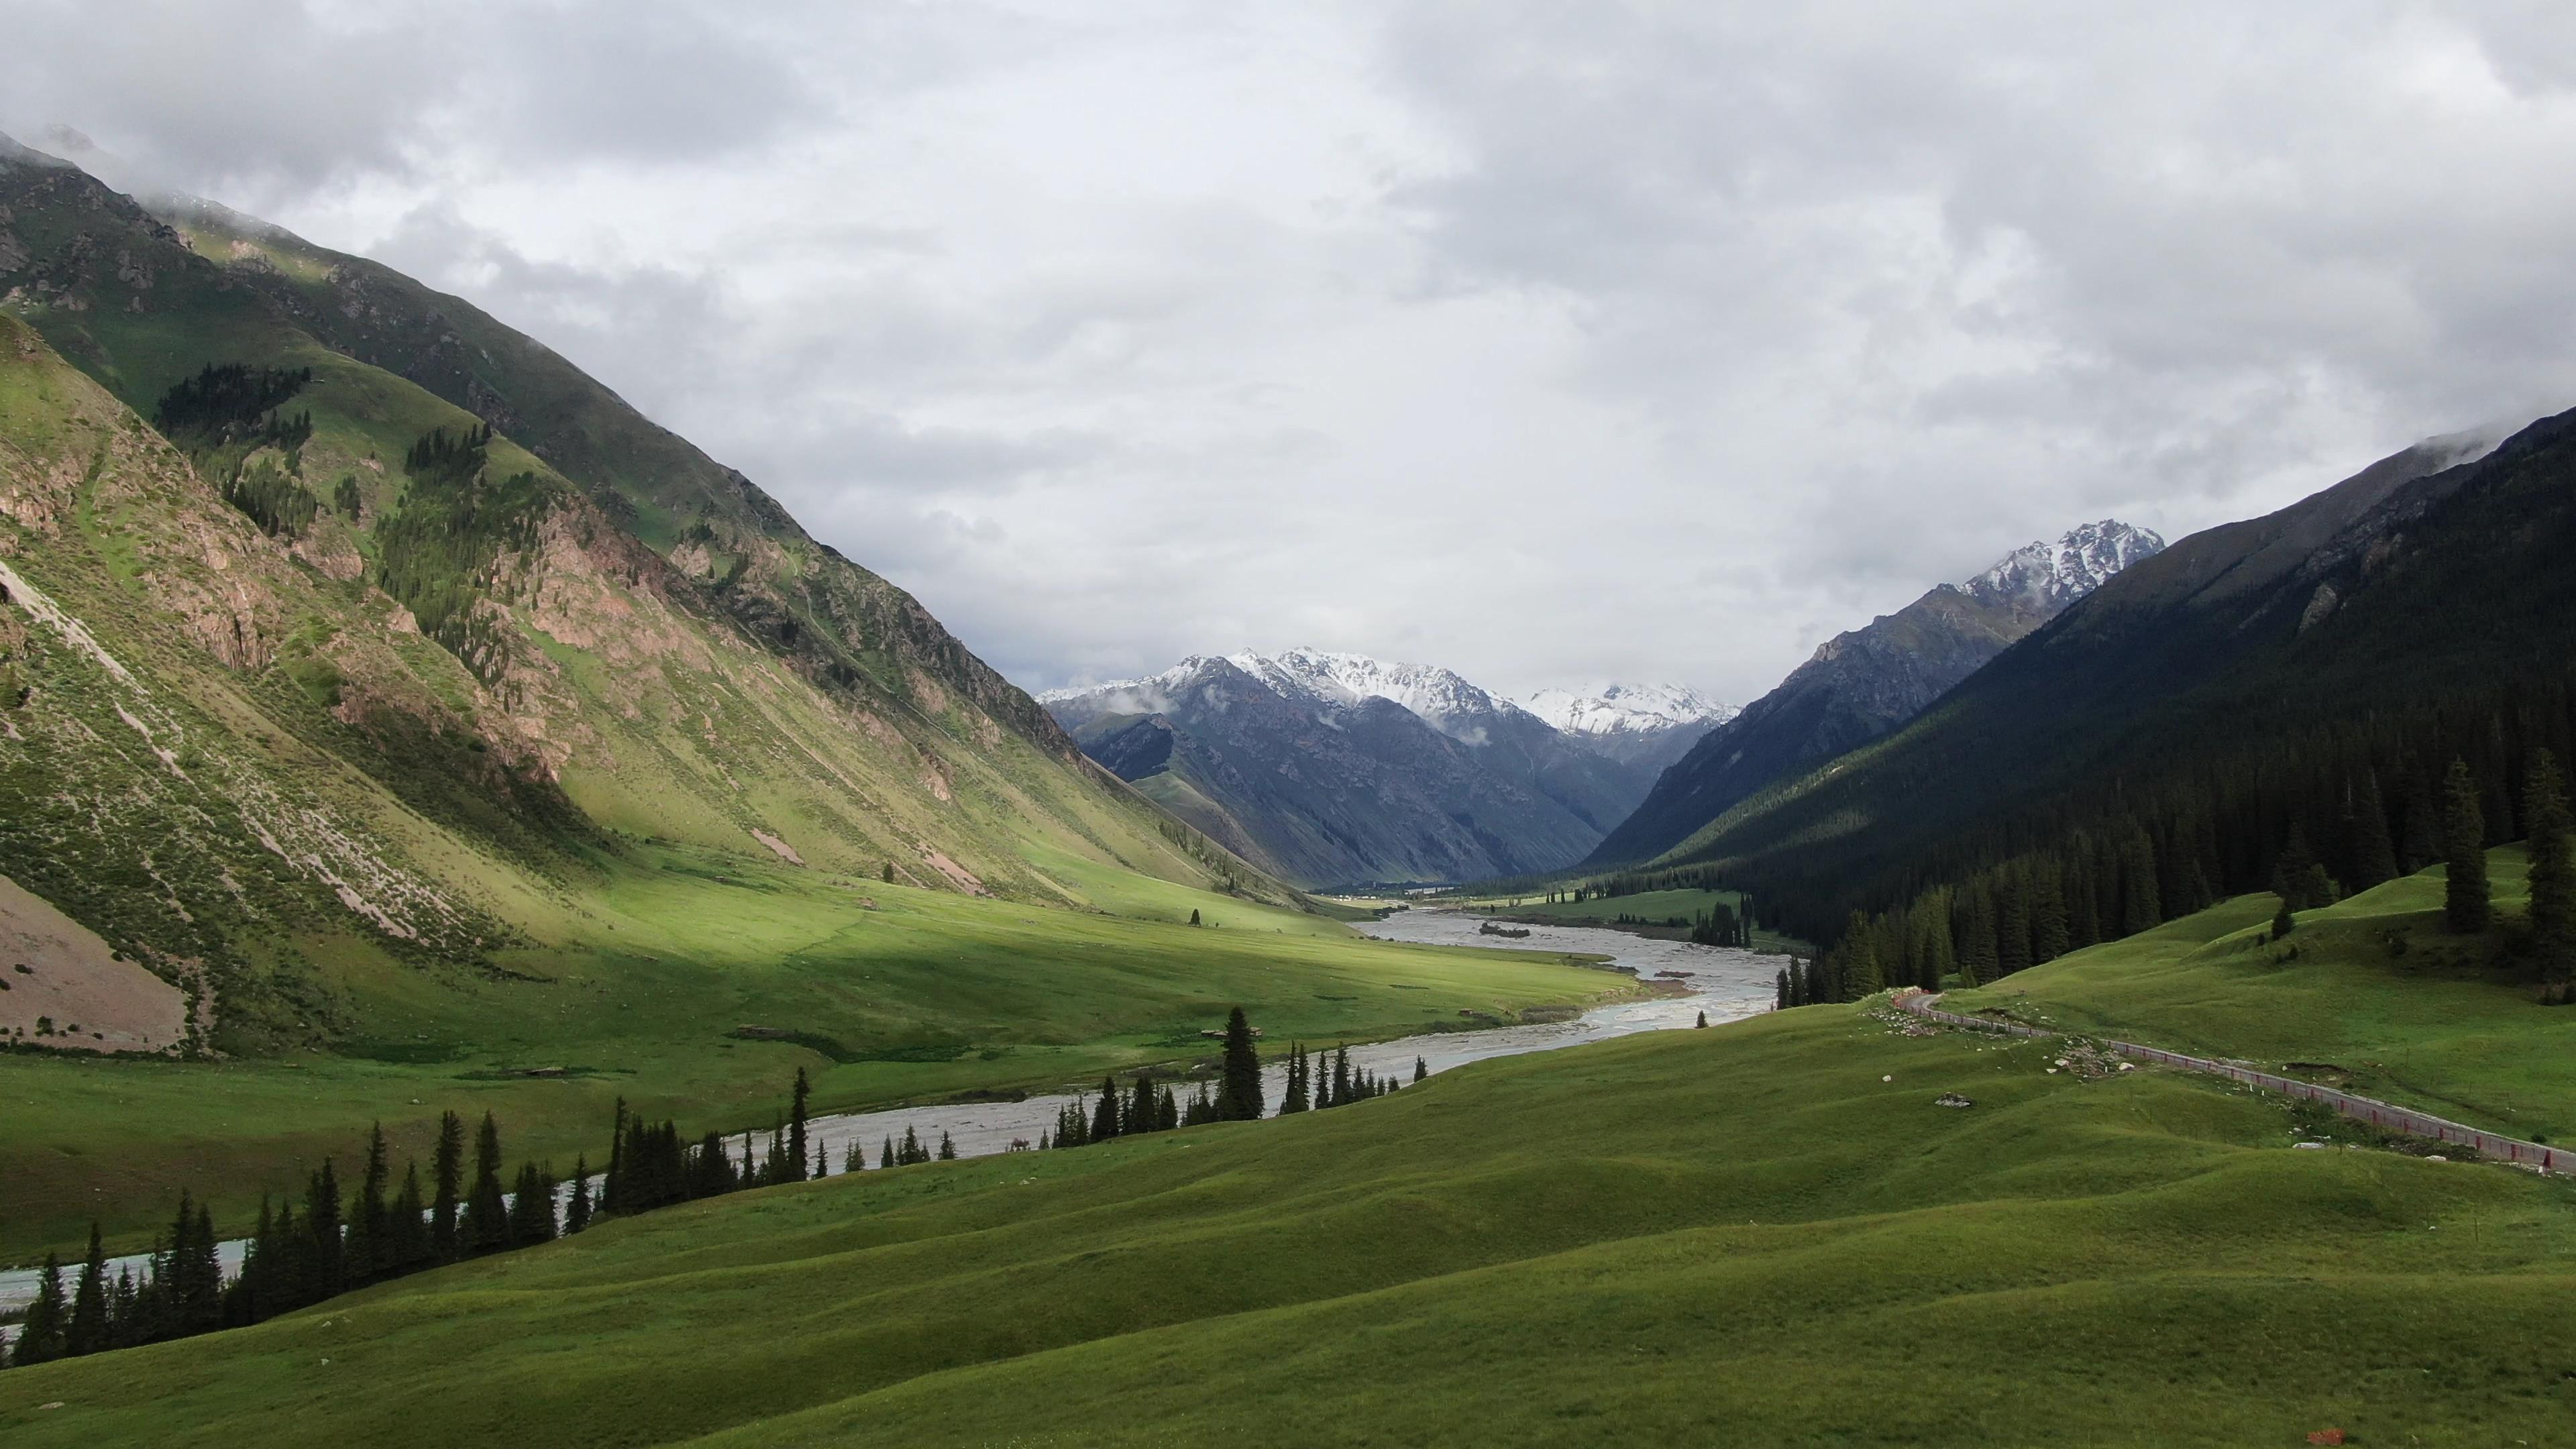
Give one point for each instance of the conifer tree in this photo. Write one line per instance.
(1141, 1110)
(577, 1210)
(912, 1151)
(947, 1148)
(1104, 1116)
(1293, 1097)
(324, 1248)
(2374, 853)
(484, 1226)
(2466, 904)
(447, 1177)
(2553, 875)
(886, 1159)
(369, 1215)
(41, 1333)
(1167, 1112)
(1422, 1069)
(1340, 1090)
(822, 1161)
(796, 1154)
(86, 1330)
(407, 1235)
(532, 1206)
(1239, 1095)
(1780, 991)
(2141, 895)
(1861, 975)
(2283, 922)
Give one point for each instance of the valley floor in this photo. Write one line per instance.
(1767, 1233)
(882, 993)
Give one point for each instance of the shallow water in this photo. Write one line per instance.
(1726, 983)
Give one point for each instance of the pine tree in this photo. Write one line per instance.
(822, 1161)
(2466, 904)
(2141, 895)
(886, 1159)
(1167, 1112)
(1780, 991)
(2419, 842)
(531, 1207)
(2374, 853)
(2283, 922)
(1340, 1090)
(1239, 1098)
(577, 1210)
(369, 1217)
(1294, 1098)
(42, 1332)
(324, 1247)
(484, 1226)
(1140, 1113)
(947, 1148)
(2553, 875)
(796, 1155)
(447, 1176)
(1104, 1117)
(86, 1332)
(1422, 1069)
(407, 1234)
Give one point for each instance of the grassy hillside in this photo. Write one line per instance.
(894, 993)
(2372, 994)
(1766, 1233)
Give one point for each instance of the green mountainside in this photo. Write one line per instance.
(392, 714)
(2253, 672)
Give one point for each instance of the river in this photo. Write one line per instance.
(1725, 983)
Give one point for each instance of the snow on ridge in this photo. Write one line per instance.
(1611, 709)
(2050, 576)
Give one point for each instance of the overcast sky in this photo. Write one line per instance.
(1553, 342)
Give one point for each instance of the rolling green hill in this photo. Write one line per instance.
(1764, 1233)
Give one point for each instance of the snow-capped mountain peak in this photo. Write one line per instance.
(2050, 576)
(1611, 709)
(1445, 701)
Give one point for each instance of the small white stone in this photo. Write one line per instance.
(1887, 1079)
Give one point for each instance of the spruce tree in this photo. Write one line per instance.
(1141, 1110)
(407, 1232)
(42, 1332)
(86, 1331)
(484, 1226)
(369, 1216)
(1780, 991)
(1167, 1112)
(1422, 1069)
(2553, 875)
(1239, 1096)
(2374, 852)
(577, 1210)
(532, 1206)
(447, 1178)
(1339, 1091)
(325, 1263)
(2283, 922)
(796, 1154)
(886, 1158)
(1104, 1117)
(1293, 1098)
(947, 1148)
(2466, 904)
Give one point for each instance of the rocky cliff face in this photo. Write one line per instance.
(1861, 685)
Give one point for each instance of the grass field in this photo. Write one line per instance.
(2372, 994)
(1651, 906)
(1759, 1234)
(896, 993)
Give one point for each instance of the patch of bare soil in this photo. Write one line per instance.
(67, 990)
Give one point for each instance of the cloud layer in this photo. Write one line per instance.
(1549, 342)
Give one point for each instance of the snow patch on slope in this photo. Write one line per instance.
(2050, 576)
(1613, 709)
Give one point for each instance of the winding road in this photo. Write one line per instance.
(1919, 1002)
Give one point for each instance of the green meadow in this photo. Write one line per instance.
(2371, 994)
(883, 993)
(1766, 1233)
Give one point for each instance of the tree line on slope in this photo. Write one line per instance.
(380, 1233)
(2311, 818)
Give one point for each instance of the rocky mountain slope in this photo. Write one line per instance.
(1336, 768)
(1863, 684)
(343, 624)
(2435, 575)
(1641, 724)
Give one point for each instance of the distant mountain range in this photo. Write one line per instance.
(1337, 768)
(1866, 683)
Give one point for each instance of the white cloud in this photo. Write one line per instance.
(1550, 342)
